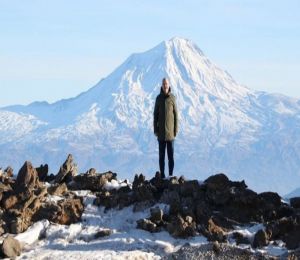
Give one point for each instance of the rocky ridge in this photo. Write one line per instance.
(213, 208)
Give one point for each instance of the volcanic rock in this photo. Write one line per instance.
(58, 189)
(67, 171)
(27, 177)
(156, 214)
(147, 225)
(91, 180)
(43, 172)
(261, 239)
(295, 202)
(103, 233)
(10, 247)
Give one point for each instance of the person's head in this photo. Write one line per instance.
(165, 85)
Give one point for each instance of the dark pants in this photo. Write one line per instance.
(162, 152)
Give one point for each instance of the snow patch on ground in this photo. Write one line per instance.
(275, 249)
(115, 185)
(78, 241)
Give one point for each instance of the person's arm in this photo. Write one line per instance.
(175, 117)
(155, 118)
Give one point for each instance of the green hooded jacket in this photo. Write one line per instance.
(165, 121)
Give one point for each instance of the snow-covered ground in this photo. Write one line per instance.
(52, 241)
(77, 240)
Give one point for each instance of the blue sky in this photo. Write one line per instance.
(56, 49)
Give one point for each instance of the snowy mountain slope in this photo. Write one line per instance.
(293, 194)
(224, 127)
(15, 126)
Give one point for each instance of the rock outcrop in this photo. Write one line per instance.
(91, 180)
(67, 171)
(212, 208)
(184, 208)
(26, 199)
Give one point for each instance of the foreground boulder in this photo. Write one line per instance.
(20, 207)
(10, 248)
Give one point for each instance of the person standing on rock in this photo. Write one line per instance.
(165, 125)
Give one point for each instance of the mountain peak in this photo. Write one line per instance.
(180, 42)
(179, 45)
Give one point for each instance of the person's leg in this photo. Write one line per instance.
(162, 152)
(170, 149)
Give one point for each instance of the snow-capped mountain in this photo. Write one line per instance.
(224, 126)
(293, 194)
